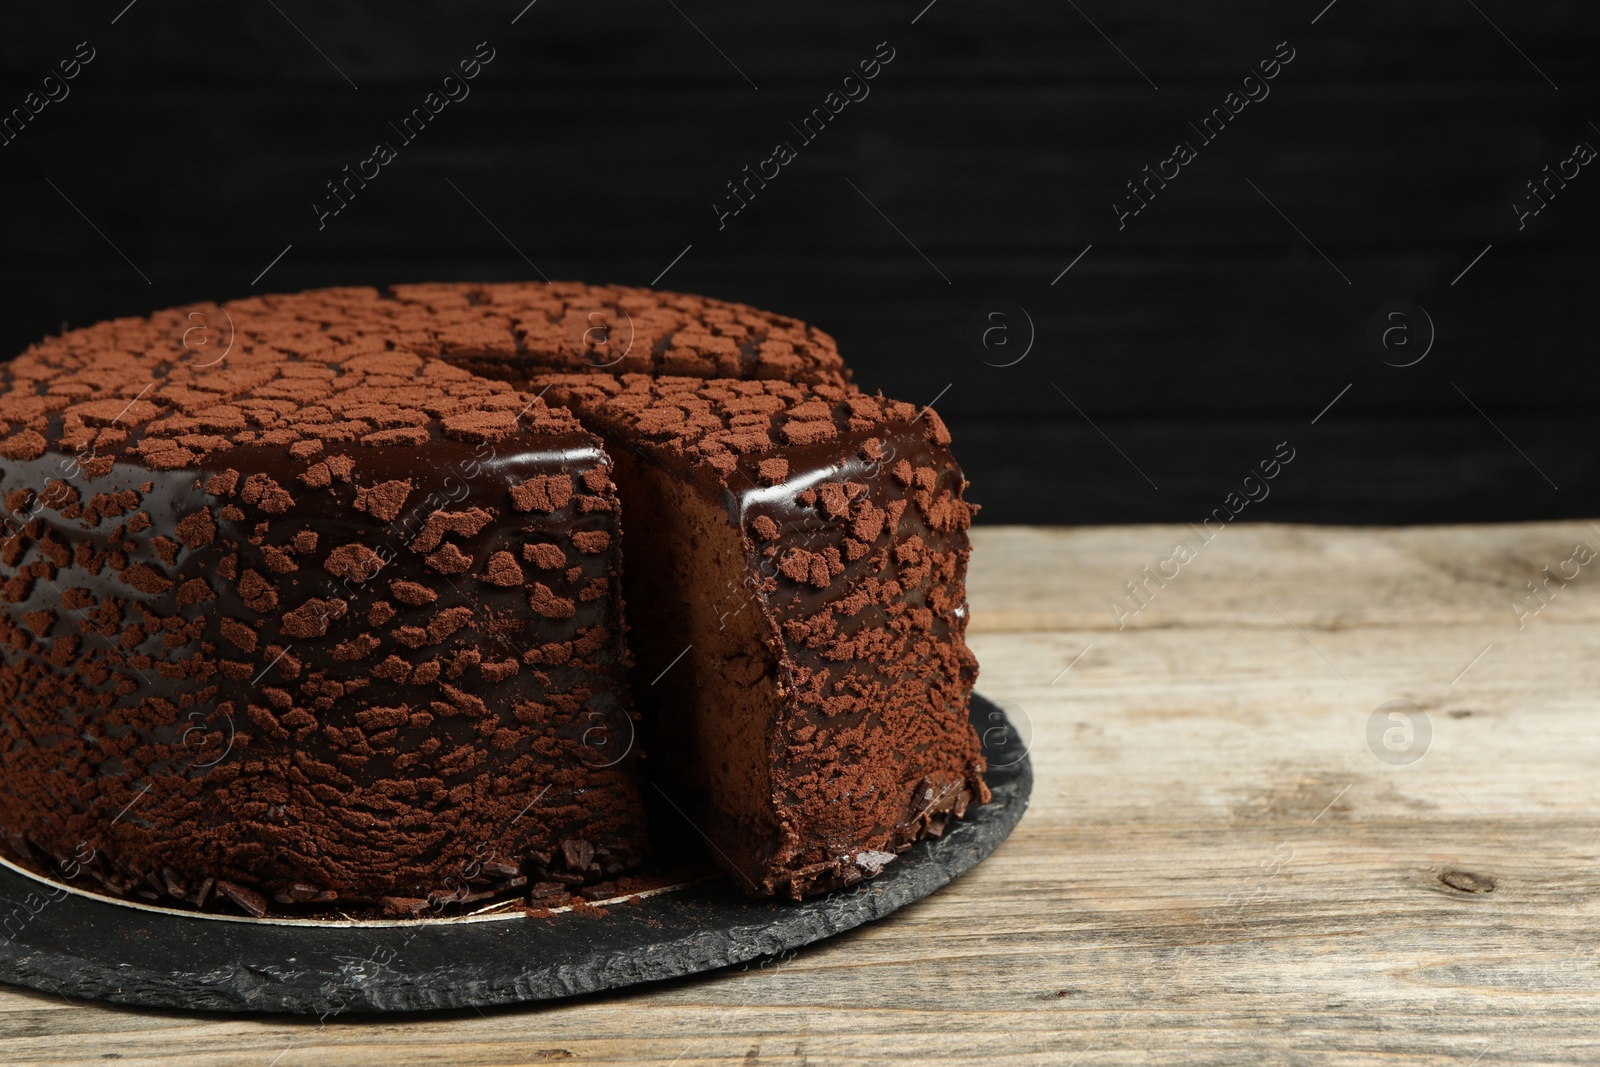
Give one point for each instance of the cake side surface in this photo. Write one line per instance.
(320, 620)
(848, 513)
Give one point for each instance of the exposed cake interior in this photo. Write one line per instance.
(795, 580)
(707, 669)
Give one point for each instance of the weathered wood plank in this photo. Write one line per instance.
(1216, 868)
(1324, 578)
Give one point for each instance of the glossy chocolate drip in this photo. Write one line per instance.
(808, 527)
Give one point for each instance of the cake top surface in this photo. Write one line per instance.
(617, 329)
(371, 367)
(130, 388)
(722, 421)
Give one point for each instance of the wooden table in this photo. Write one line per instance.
(1217, 867)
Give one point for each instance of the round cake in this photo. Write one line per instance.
(327, 600)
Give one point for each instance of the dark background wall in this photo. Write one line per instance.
(1177, 352)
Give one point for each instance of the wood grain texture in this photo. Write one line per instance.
(1216, 868)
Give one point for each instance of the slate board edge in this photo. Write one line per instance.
(471, 968)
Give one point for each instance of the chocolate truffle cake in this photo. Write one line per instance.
(796, 584)
(312, 598)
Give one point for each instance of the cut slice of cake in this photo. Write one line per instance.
(796, 562)
(323, 621)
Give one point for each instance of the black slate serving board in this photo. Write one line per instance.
(85, 946)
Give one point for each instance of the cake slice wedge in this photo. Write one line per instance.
(795, 583)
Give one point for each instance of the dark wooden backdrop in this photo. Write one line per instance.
(1177, 353)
